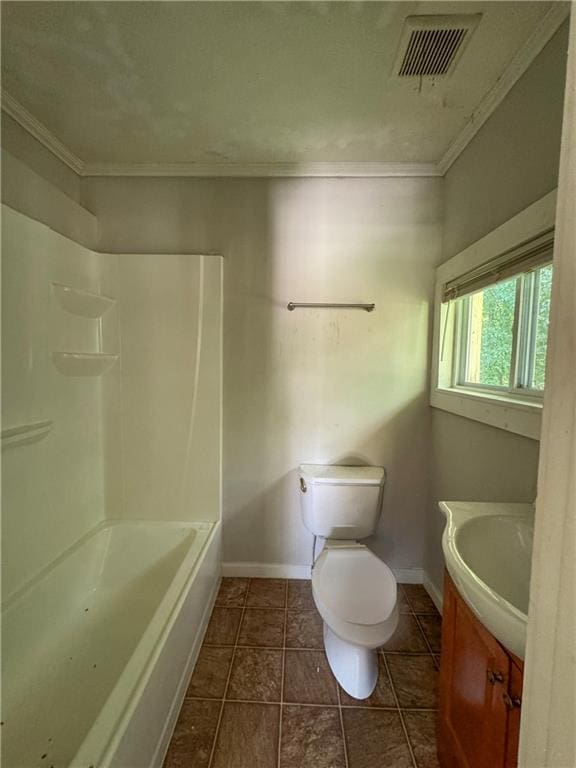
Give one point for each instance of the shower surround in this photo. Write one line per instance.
(111, 445)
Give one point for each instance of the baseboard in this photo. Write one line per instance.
(433, 591)
(408, 575)
(288, 571)
(266, 570)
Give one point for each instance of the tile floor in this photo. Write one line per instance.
(262, 694)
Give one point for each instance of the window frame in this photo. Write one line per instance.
(516, 410)
(524, 326)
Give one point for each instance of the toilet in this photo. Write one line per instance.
(354, 591)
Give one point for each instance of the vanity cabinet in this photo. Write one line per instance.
(480, 692)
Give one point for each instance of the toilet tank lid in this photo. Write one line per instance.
(329, 474)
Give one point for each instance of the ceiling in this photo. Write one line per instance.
(244, 83)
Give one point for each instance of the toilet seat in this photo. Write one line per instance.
(354, 585)
(355, 593)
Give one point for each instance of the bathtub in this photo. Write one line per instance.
(98, 649)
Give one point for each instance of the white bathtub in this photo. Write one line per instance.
(98, 649)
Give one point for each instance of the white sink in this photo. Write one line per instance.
(488, 549)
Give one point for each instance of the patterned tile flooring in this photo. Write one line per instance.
(262, 694)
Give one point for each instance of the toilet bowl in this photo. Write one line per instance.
(355, 594)
(354, 591)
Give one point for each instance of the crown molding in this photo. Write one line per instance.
(39, 131)
(516, 68)
(268, 170)
(518, 65)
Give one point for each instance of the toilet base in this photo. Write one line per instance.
(355, 667)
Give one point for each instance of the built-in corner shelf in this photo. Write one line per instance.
(80, 302)
(83, 363)
(25, 433)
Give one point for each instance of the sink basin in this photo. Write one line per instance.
(488, 550)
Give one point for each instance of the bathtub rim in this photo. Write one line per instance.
(14, 597)
(110, 723)
(196, 612)
(103, 738)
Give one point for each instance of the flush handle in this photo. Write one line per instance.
(303, 485)
(494, 677)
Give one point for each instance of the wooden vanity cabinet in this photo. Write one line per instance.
(480, 692)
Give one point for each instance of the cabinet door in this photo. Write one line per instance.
(474, 675)
(515, 692)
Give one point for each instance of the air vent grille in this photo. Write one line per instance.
(430, 52)
(431, 45)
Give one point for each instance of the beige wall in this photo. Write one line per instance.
(511, 162)
(306, 386)
(25, 190)
(20, 144)
(291, 395)
(38, 184)
(299, 387)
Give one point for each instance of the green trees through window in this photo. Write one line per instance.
(498, 306)
(544, 291)
(504, 345)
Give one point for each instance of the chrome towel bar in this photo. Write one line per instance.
(292, 305)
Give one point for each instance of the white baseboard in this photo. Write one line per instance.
(408, 575)
(433, 591)
(266, 570)
(288, 571)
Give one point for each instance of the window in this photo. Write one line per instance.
(491, 312)
(502, 333)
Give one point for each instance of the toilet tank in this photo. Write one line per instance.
(341, 502)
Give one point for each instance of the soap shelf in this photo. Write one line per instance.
(83, 363)
(25, 433)
(81, 302)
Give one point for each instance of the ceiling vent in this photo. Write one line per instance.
(430, 46)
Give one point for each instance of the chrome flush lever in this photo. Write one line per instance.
(303, 485)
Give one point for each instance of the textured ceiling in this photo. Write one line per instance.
(247, 82)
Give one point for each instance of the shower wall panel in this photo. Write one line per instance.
(112, 396)
(170, 424)
(52, 489)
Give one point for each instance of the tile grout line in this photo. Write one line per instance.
(416, 617)
(344, 744)
(271, 607)
(306, 649)
(339, 704)
(425, 637)
(419, 625)
(283, 668)
(402, 723)
(217, 731)
(312, 705)
(314, 610)
(340, 715)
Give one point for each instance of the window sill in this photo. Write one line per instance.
(503, 412)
